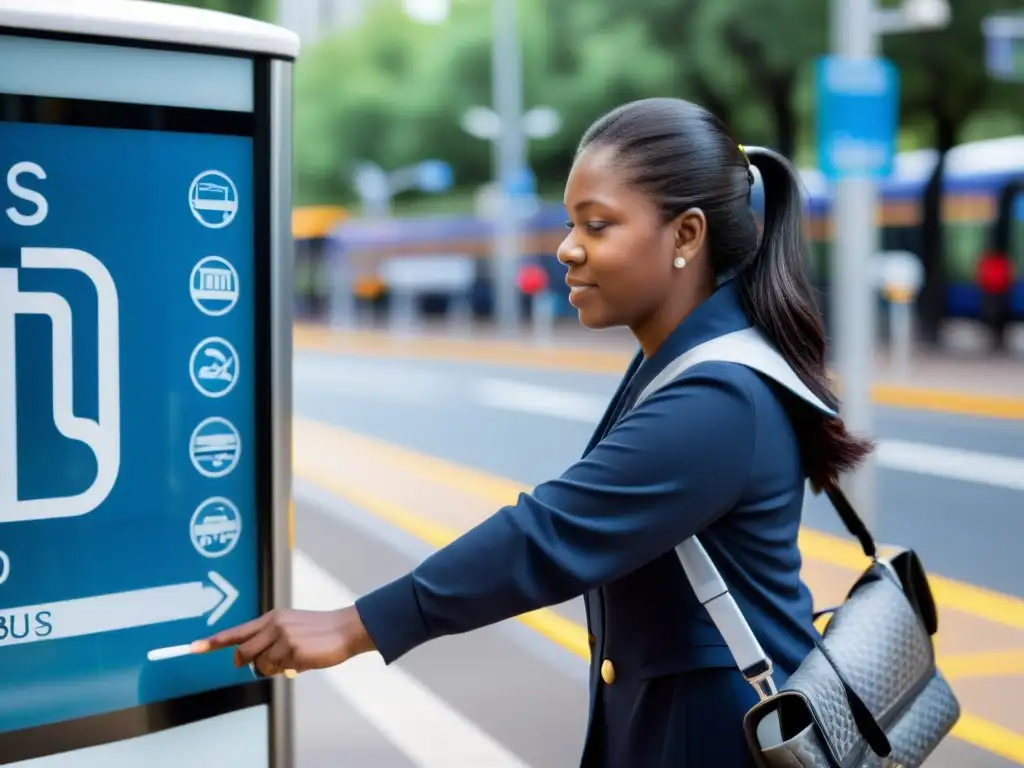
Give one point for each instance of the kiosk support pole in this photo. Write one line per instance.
(282, 268)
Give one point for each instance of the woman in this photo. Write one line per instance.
(662, 240)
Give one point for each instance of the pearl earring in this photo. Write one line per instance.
(679, 262)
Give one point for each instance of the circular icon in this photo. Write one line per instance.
(213, 367)
(215, 527)
(5, 566)
(213, 199)
(215, 447)
(214, 286)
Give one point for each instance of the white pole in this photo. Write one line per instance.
(853, 297)
(511, 154)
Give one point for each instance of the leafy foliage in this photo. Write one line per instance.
(393, 91)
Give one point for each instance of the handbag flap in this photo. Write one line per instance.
(879, 644)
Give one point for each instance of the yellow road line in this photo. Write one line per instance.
(572, 636)
(961, 666)
(948, 401)
(566, 633)
(498, 353)
(990, 737)
(973, 600)
(516, 354)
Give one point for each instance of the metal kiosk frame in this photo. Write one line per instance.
(38, 94)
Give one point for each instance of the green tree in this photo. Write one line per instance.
(754, 53)
(680, 48)
(584, 59)
(742, 59)
(353, 103)
(394, 92)
(391, 91)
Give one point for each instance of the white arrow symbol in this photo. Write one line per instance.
(120, 610)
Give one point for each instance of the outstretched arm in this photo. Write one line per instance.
(662, 474)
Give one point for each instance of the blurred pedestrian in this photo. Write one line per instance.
(995, 284)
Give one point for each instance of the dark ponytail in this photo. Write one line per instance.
(683, 157)
(777, 297)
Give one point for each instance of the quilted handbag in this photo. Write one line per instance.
(869, 695)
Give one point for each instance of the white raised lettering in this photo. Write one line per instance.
(31, 195)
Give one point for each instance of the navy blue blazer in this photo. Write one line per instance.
(716, 453)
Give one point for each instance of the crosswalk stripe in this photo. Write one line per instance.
(421, 725)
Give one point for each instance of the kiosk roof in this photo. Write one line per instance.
(151, 21)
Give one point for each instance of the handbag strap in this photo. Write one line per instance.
(747, 347)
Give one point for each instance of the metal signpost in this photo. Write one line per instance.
(858, 119)
(857, 125)
(145, 390)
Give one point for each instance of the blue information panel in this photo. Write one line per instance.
(127, 400)
(858, 116)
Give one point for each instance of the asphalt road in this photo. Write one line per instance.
(965, 519)
(951, 486)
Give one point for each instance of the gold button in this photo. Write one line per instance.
(608, 671)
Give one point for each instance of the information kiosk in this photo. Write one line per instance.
(145, 390)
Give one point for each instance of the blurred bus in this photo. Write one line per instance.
(975, 178)
(976, 175)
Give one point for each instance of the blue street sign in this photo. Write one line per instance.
(127, 404)
(435, 176)
(522, 184)
(858, 116)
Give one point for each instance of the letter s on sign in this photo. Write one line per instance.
(42, 207)
(44, 626)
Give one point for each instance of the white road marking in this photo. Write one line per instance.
(350, 378)
(921, 458)
(422, 726)
(952, 463)
(541, 401)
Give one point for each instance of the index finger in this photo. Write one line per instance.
(229, 637)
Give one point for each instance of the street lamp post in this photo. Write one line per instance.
(508, 202)
(511, 199)
(508, 128)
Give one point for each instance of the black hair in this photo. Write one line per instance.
(683, 157)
